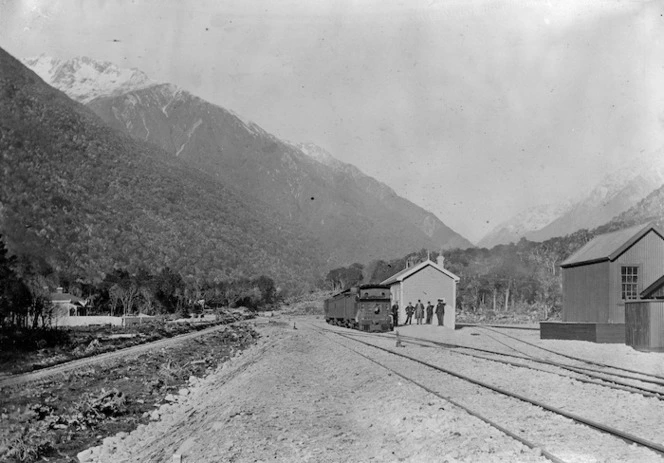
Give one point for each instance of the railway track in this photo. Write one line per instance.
(449, 399)
(510, 327)
(568, 441)
(44, 373)
(644, 384)
(611, 374)
(580, 360)
(603, 379)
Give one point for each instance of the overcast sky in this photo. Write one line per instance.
(474, 110)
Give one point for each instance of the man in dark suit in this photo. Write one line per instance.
(440, 311)
(429, 312)
(395, 314)
(410, 310)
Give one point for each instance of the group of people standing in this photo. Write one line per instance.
(420, 311)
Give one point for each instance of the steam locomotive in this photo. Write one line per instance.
(365, 308)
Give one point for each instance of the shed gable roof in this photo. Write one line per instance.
(405, 273)
(653, 288)
(609, 246)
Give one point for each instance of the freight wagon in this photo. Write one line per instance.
(365, 308)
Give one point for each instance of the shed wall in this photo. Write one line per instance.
(586, 293)
(644, 325)
(430, 284)
(592, 332)
(648, 255)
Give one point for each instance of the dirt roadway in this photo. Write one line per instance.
(299, 396)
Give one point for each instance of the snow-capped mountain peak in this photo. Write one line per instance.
(85, 79)
(615, 193)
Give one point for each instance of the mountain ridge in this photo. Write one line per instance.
(355, 217)
(426, 221)
(79, 197)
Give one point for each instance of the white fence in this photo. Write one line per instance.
(129, 320)
(87, 320)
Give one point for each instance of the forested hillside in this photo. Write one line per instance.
(353, 215)
(79, 198)
(351, 218)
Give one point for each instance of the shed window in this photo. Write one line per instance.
(629, 278)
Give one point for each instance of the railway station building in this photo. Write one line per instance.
(426, 281)
(600, 278)
(65, 304)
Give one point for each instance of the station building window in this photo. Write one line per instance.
(629, 282)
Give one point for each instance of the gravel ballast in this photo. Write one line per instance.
(302, 395)
(299, 396)
(561, 436)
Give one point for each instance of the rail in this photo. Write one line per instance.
(526, 442)
(579, 359)
(627, 437)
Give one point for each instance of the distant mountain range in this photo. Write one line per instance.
(519, 226)
(80, 198)
(615, 194)
(353, 217)
(649, 210)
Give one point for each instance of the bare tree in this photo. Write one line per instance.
(148, 299)
(127, 296)
(41, 307)
(114, 294)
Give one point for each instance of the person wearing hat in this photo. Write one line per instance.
(440, 311)
(395, 314)
(429, 312)
(419, 312)
(409, 313)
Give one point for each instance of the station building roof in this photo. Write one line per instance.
(405, 273)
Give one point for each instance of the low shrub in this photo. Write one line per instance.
(23, 339)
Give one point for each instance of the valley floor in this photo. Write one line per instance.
(302, 395)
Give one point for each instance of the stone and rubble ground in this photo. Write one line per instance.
(52, 418)
(299, 395)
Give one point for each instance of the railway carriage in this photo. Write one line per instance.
(366, 308)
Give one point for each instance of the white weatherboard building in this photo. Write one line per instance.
(427, 281)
